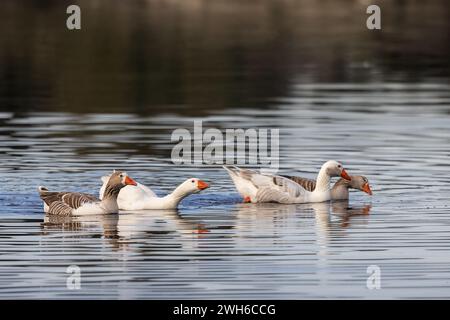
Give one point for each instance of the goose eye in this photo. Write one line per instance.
(193, 181)
(121, 175)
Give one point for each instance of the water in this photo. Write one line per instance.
(216, 247)
(75, 105)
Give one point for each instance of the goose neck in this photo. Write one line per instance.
(323, 181)
(340, 190)
(177, 195)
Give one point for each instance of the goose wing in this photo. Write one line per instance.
(76, 199)
(147, 190)
(60, 208)
(271, 188)
(72, 199)
(308, 184)
(279, 189)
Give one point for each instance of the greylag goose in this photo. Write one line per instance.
(340, 190)
(256, 187)
(139, 197)
(75, 203)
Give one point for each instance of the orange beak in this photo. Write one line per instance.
(345, 175)
(202, 185)
(366, 189)
(129, 181)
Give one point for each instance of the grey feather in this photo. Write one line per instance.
(308, 184)
(60, 208)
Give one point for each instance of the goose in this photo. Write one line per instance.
(256, 187)
(340, 190)
(75, 203)
(140, 197)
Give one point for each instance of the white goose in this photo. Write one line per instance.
(139, 197)
(256, 187)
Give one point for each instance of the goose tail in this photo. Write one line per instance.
(42, 189)
(232, 170)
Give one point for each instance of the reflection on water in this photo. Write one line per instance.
(120, 231)
(214, 245)
(133, 227)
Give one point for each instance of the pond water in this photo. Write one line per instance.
(214, 246)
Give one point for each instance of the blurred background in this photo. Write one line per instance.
(76, 104)
(192, 56)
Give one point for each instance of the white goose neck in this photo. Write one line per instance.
(177, 195)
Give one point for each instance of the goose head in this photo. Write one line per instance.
(336, 169)
(192, 185)
(113, 183)
(120, 179)
(360, 183)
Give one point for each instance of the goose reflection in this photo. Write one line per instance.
(73, 227)
(108, 223)
(149, 222)
(329, 218)
(323, 211)
(144, 230)
(346, 212)
(338, 214)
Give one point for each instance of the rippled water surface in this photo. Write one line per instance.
(76, 104)
(214, 246)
